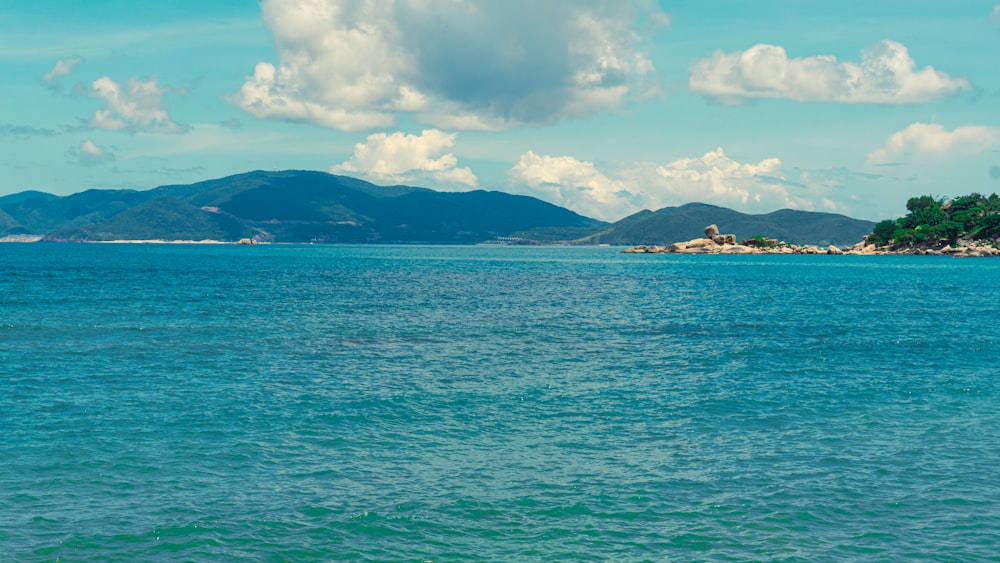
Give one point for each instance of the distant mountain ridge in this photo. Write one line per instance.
(289, 206)
(309, 206)
(673, 224)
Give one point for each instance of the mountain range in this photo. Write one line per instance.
(307, 206)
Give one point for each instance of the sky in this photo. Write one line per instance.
(604, 107)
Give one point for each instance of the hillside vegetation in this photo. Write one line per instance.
(939, 222)
(289, 206)
(309, 206)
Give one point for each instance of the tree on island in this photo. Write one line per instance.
(941, 221)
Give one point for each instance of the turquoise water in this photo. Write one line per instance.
(317, 403)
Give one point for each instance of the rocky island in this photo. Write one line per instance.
(715, 242)
(964, 227)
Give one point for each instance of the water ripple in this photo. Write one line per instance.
(436, 403)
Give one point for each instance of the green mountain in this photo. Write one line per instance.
(290, 206)
(305, 206)
(40, 213)
(673, 224)
(165, 218)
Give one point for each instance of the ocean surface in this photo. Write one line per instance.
(402, 403)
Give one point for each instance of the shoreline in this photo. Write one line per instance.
(860, 249)
(716, 243)
(157, 241)
(27, 239)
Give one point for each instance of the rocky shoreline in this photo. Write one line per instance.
(716, 243)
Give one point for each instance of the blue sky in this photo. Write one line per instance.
(605, 107)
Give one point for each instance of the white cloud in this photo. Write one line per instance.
(136, 106)
(399, 158)
(89, 153)
(274, 93)
(886, 75)
(718, 178)
(574, 184)
(470, 64)
(712, 178)
(62, 68)
(931, 139)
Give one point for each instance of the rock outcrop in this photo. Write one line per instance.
(959, 249)
(717, 243)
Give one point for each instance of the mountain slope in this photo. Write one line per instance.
(672, 224)
(308, 206)
(24, 196)
(164, 218)
(287, 206)
(40, 213)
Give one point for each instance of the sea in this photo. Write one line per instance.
(172, 402)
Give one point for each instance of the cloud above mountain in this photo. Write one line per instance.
(886, 74)
(456, 64)
(574, 184)
(402, 158)
(88, 153)
(713, 178)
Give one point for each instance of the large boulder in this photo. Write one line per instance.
(724, 239)
(712, 231)
(700, 243)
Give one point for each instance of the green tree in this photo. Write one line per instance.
(967, 202)
(924, 210)
(931, 220)
(882, 233)
(989, 226)
(950, 230)
(993, 204)
(902, 235)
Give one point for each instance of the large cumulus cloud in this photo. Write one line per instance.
(456, 64)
